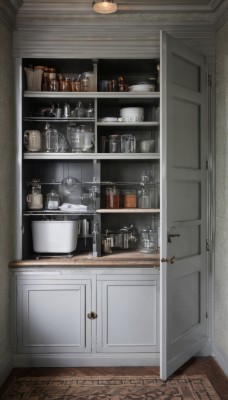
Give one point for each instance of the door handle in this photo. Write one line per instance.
(171, 261)
(171, 236)
(92, 315)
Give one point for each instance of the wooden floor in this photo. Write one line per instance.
(200, 365)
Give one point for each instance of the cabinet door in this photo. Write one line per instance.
(52, 317)
(184, 204)
(128, 314)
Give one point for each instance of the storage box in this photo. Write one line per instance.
(54, 236)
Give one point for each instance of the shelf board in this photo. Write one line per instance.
(95, 95)
(90, 156)
(53, 119)
(128, 211)
(118, 123)
(45, 213)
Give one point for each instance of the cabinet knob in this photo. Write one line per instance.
(92, 315)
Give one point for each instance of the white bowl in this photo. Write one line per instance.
(141, 87)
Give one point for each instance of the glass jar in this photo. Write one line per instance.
(112, 197)
(143, 199)
(79, 111)
(114, 144)
(52, 200)
(129, 199)
(149, 240)
(128, 144)
(90, 111)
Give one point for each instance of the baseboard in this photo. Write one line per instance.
(221, 358)
(73, 360)
(207, 349)
(6, 366)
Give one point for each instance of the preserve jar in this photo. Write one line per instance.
(112, 197)
(129, 199)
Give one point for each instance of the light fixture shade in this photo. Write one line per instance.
(105, 6)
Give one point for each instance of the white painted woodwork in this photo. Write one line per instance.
(50, 320)
(184, 204)
(129, 310)
(52, 316)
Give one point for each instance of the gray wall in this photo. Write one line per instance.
(221, 247)
(7, 158)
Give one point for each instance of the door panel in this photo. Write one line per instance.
(183, 204)
(54, 318)
(130, 315)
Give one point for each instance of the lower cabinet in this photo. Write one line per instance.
(101, 315)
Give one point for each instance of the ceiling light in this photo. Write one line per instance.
(105, 6)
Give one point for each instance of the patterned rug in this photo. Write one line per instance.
(110, 388)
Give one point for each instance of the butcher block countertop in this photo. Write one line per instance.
(116, 259)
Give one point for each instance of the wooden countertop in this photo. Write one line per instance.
(116, 259)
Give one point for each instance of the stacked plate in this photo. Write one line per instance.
(132, 114)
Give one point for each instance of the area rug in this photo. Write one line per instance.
(110, 388)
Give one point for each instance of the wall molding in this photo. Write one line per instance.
(8, 12)
(6, 366)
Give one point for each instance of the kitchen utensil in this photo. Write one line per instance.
(35, 198)
(81, 138)
(114, 144)
(52, 201)
(149, 240)
(128, 144)
(69, 185)
(147, 146)
(112, 197)
(32, 140)
(50, 139)
(55, 236)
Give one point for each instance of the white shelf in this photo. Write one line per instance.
(128, 211)
(96, 95)
(91, 156)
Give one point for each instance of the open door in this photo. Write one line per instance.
(183, 204)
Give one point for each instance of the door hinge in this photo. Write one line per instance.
(206, 315)
(209, 80)
(207, 245)
(207, 165)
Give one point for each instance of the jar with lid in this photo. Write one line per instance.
(79, 111)
(149, 240)
(35, 198)
(112, 197)
(128, 144)
(52, 200)
(129, 198)
(114, 144)
(143, 199)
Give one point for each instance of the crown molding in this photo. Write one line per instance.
(8, 12)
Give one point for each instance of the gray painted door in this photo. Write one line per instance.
(183, 203)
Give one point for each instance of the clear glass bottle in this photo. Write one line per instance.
(79, 111)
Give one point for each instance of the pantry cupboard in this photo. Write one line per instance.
(123, 285)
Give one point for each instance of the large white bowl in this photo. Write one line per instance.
(141, 87)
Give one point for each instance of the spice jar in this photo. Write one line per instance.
(112, 197)
(129, 198)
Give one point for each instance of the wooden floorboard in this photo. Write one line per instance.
(200, 365)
